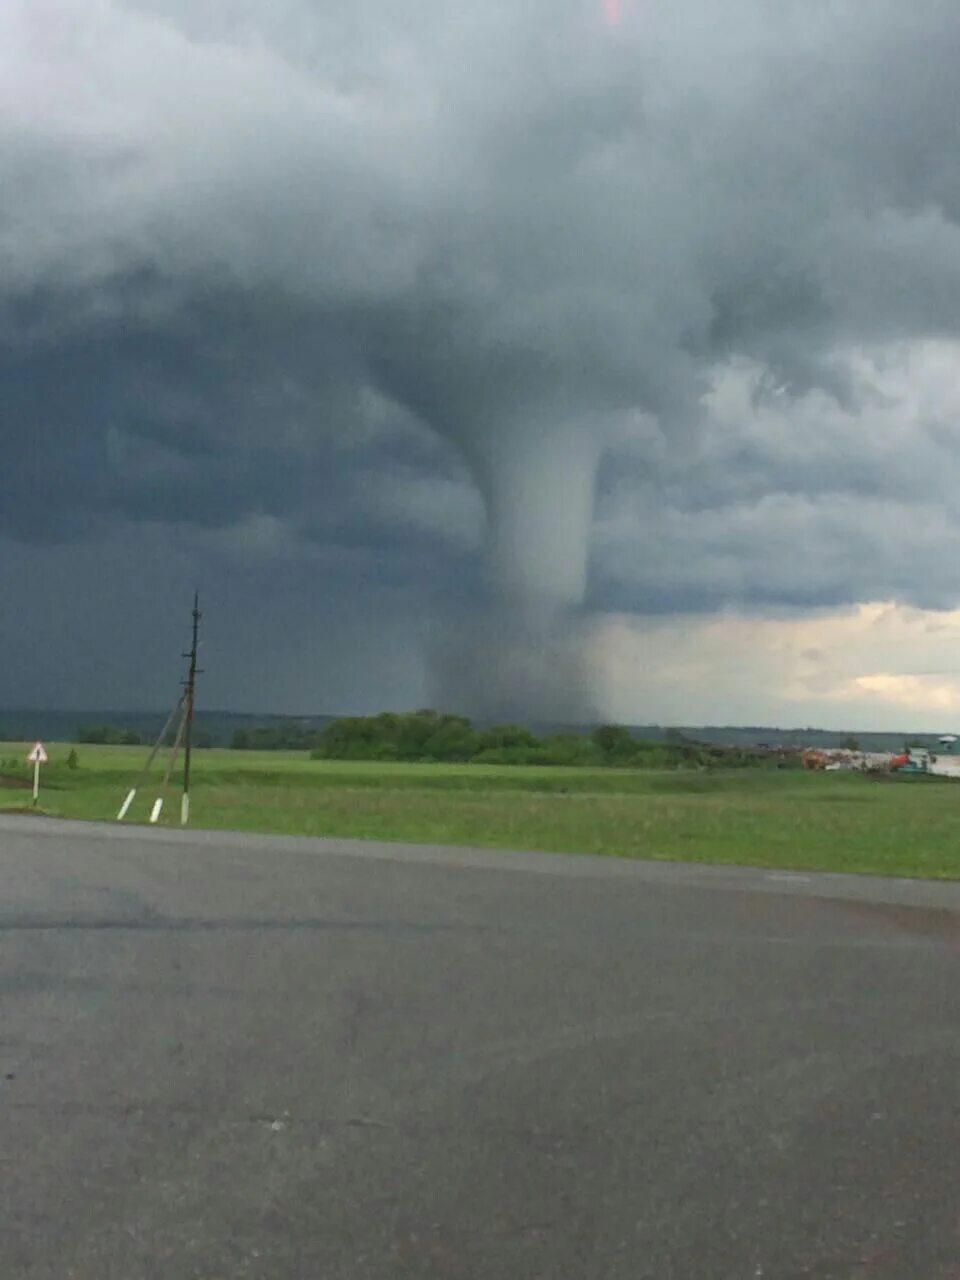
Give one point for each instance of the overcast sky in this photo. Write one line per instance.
(385, 323)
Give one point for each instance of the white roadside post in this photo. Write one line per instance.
(37, 757)
(131, 796)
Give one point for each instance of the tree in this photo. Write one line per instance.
(415, 730)
(614, 740)
(360, 738)
(453, 739)
(850, 743)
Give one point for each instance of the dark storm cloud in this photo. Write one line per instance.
(275, 263)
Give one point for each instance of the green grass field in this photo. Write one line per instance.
(783, 819)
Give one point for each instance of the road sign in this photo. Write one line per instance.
(37, 757)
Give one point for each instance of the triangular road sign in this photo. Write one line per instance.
(38, 755)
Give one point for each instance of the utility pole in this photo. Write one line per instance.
(183, 713)
(190, 690)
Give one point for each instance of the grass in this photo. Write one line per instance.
(787, 819)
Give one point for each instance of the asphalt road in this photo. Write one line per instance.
(227, 1057)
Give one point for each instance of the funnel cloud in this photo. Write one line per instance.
(491, 320)
(522, 647)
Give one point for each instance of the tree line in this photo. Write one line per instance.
(429, 735)
(111, 735)
(286, 736)
(435, 736)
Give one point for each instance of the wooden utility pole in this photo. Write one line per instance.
(190, 685)
(183, 710)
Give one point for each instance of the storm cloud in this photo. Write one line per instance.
(511, 313)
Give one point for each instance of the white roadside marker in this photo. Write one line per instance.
(155, 811)
(124, 808)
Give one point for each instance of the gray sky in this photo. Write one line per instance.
(390, 324)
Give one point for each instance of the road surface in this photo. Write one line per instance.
(228, 1057)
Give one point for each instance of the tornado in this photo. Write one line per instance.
(519, 652)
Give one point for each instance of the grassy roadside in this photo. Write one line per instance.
(787, 819)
